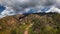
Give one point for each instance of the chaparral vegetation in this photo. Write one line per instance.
(31, 24)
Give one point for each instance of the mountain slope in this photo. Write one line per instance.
(42, 24)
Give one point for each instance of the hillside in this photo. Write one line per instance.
(41, 24)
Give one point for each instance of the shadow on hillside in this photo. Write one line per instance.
(41, 14)
(23, 16)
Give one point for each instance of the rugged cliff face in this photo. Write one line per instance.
(42, 24)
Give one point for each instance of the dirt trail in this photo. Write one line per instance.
(27, 29)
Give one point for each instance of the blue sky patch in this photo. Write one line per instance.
(2, 8)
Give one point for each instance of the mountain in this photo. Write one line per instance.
(42, 23)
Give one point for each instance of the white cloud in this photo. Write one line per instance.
(24, 6)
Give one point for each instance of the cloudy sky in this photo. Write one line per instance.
(13, 7)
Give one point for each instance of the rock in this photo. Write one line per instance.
(0, 28)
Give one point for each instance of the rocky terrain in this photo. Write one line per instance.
(41, 23)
